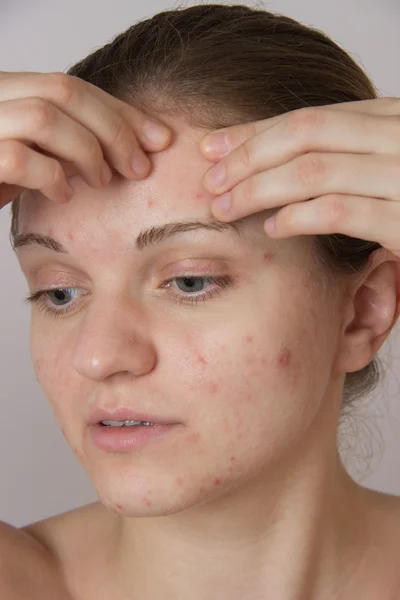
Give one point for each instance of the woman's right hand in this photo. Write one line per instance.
(53, 126)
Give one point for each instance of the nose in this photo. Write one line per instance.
(113, 339)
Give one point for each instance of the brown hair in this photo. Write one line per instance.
(218, 65)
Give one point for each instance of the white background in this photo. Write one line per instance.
(40, 476)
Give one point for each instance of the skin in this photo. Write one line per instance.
(248, 493)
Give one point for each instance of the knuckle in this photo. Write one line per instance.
(57, 174)
(333, 210)
(304, 120)
(12, 158)
(246, 191)
(310, 169)
(121, 134)
(93, 152)
(41, 113)
(64, 87)
(245, 155)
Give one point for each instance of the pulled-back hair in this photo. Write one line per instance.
(217, 65)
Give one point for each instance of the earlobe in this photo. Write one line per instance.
(375, 308)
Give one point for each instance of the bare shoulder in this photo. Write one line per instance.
(73, 533)
(27, 570)
(76, 541)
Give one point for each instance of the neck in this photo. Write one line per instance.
(292, 533)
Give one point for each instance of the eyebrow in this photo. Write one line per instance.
(147, 237)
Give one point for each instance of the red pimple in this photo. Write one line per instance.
(201, 359)
(249, 338)
(284, 357)
(217, 481)
(119, 506)
(268, 255)
(70, 236)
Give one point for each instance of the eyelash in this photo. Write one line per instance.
(221, 281)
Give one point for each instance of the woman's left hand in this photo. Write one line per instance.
(342, 159)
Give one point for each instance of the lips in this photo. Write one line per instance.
(99, 414)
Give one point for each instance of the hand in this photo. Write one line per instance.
(54, 125)
(343, 159)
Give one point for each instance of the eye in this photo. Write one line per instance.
(60, 295)
(192, 283)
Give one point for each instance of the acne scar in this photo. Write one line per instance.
(193, 437)
(119, 506)
(213, 387)
(217, 481)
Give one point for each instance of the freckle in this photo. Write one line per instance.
(217, 481)
(249, 338)
(284, 357)
(70, 236)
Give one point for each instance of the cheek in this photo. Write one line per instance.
(234, 375)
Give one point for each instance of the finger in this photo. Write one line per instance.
(326, 131)
(238, 134)
(81, 101)
(311, 175)
(160, 135)
(49, 128)
(22, 166)
(371, 219)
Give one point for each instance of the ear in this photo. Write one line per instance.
(371, 310)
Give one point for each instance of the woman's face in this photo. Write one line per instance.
(244, 369)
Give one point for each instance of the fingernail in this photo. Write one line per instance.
(216, 142)
(154, 132)
(140, 164)
(222, 203)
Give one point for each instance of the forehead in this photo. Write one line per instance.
(173, 189)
